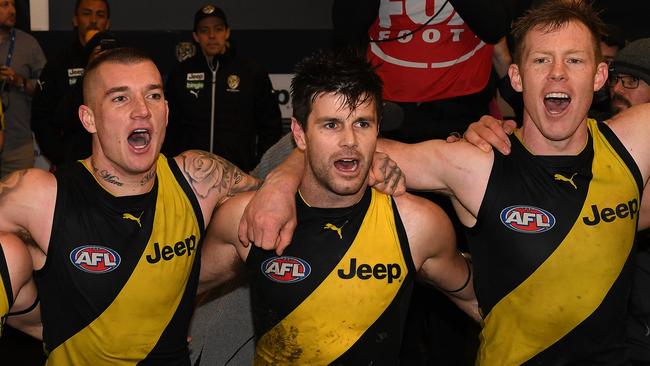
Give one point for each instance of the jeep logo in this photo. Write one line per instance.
(379, 271)
(168, 251)
(608, 214)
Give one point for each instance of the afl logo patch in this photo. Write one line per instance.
(286, 269)
(527, 219)
(95, 259)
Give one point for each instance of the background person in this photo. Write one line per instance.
(54, 109)
(22, 60)
(220, 101)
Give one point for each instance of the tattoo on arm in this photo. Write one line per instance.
(208, 172)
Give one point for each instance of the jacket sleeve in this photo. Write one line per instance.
(268, 118)
(170, 145)
(46, 126)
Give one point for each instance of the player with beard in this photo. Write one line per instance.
(339, 293)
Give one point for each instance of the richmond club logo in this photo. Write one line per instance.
(527, 219)
(95, 259)
(286, 269)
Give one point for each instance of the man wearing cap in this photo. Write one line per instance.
(220, 101)
(54, 121)
(630, 80)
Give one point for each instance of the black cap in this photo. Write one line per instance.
(634, 60)
(209, 10)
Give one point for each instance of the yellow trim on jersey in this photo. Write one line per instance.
(570, 285)
(338, 312)
(4, 302)
(127, 331)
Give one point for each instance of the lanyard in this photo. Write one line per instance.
(12, 45)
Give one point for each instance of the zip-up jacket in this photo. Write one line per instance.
(227, 107)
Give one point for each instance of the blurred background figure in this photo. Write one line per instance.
(54, 114)
(22, 61)
(610, 44)
(220, 101)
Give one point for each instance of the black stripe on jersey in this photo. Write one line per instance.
(273, 301)
(4, 276)
(85, 212)
(505, 264)
(182, 181)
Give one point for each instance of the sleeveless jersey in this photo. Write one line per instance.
(6, 292)
(429, 61)
(121, 273)
(551, 250)
(339, 293)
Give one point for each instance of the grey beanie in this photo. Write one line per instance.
(634, 60)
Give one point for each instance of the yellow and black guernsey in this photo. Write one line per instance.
(121, 272)
(552, 254)
(6, 292)
(339, 293)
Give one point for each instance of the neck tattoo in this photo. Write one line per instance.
(107, 176)
(149, 176)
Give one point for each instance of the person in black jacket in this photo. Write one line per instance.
(54, 108)
(220, 101)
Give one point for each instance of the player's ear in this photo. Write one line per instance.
(515, 77)
(87, 118)
(298, 134)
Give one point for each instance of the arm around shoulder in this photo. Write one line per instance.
(213, 178)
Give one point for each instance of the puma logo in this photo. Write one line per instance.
(128, 216)
(335, 228)
(194, 93)
(562, 178)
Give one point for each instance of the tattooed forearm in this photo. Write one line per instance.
(208, 173)
(148, 177)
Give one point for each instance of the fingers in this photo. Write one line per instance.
(454, 136)
(243, 232)
(509, 126)
(285, 236)
(489, 132)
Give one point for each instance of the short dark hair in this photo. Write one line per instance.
(123, 55)
(551, 15)
(108, 7)
(344, 73)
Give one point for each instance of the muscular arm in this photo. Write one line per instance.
(19, 265)
(433, 248)
(27, 200)
(213, 179)
(222, 256)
